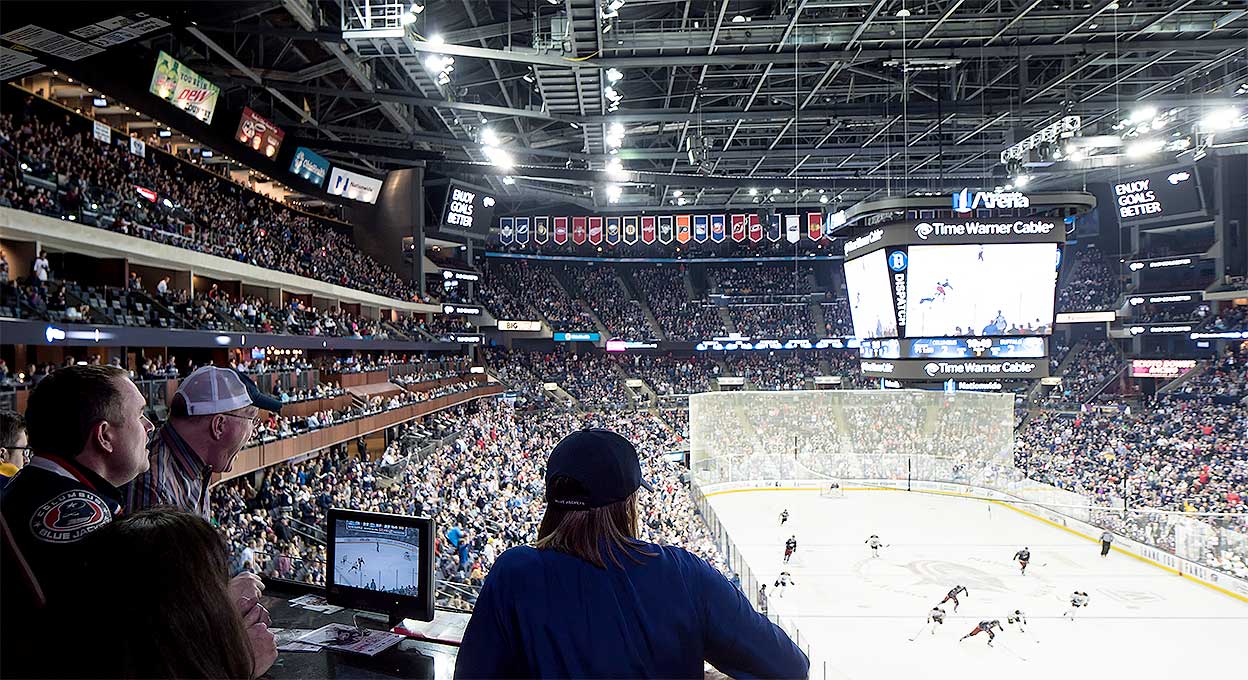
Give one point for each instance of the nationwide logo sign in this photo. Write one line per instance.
(966, 201)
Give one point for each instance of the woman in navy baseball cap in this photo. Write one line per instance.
(590, 599)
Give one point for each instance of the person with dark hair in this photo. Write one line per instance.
(88, 434)
(589, 599)
(179, 623)
(13, 448)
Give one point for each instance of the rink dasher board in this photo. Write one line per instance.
(1210, 578)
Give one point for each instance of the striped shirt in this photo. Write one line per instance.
(177, 477)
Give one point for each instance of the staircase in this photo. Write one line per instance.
(816, 317)
(627, 284)
(726, 318)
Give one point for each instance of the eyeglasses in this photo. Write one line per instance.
(255, 420)
(27, 452)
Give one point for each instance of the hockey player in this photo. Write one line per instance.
(1018, 618)
(789, 547)
(784, 516)
(953, 595)
(936, 617)
(985, 627)
(1023, 556)
(785, 580)
(875, 544)
(1078, 599)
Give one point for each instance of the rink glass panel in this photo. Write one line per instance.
(897, 435)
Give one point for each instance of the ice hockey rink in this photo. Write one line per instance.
(857, 613)
(384, 564)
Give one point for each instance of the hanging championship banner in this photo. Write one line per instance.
(613, 231)
(756, 228)
(595, 230)
(682, 229)
(522, 230)
(773, 228)
(630, 229)
(700, 230)
(541, 229)
(647, 230)
(578, 230)
(505, 230)
(561, 230)
(738, 228)
(814, 225)
(793, 228)
(717, 228)
(665, 229)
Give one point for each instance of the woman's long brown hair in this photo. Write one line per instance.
(586, 533)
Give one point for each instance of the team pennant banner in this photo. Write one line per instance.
(630, 230)
(613, 231)
(561, 230)
(541, 229)
(647, 230)
(595, 230)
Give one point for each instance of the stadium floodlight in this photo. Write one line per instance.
(1220, 119)
(615, 169)
(436, 39)
(678, 193)
(775, 190)
(753, 191)
(681, 201)
(823, 199)
(1143, 148)
(509, 180)
(501, 159)
(740, 19)
(614, 191)
(903, 12)
(1142, 114)
(1021, 181)
(489, 138)
(614, 75)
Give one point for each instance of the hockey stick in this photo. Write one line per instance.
(916, 635)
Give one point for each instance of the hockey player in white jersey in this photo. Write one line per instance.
(874, 542)
(936, 617)
(1018, 618)
(1078, 599)
(784, 517)
(783, 581)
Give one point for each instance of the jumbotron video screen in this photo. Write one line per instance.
(981, 290)
(953, 290)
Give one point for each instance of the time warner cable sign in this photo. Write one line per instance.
(958, 231)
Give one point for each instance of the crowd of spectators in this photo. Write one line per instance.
(772, 371)
(1091, 285)
(484, 487)
(773, 321)
(600, 288)
(537, 285)
(682, 318)
(667, 374)
(76, 175)
(763, 279)
(1093, 365)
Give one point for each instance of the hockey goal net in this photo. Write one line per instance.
(831, 490)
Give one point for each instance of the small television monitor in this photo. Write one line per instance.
(380, 563)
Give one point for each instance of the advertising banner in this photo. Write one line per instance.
(310, 165)
(259, 133)
(353, 185)
(173, 82)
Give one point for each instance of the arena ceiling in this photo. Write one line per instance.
(843, 99)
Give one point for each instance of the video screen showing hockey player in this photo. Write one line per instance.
(981, 290)
(870, 297)
(379, 557)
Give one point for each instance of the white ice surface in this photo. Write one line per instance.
(857, 612)
(383, 563)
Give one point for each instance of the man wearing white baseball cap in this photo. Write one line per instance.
(211, 418)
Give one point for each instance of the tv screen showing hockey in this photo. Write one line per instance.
(377, 557)
(870, 297)
(981, 290)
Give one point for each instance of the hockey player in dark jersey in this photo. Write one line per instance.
(953, 595)
(789, 547)
(1023, 556)
(784, 516)
(985, 627)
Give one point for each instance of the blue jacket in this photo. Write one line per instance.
(546, 614)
